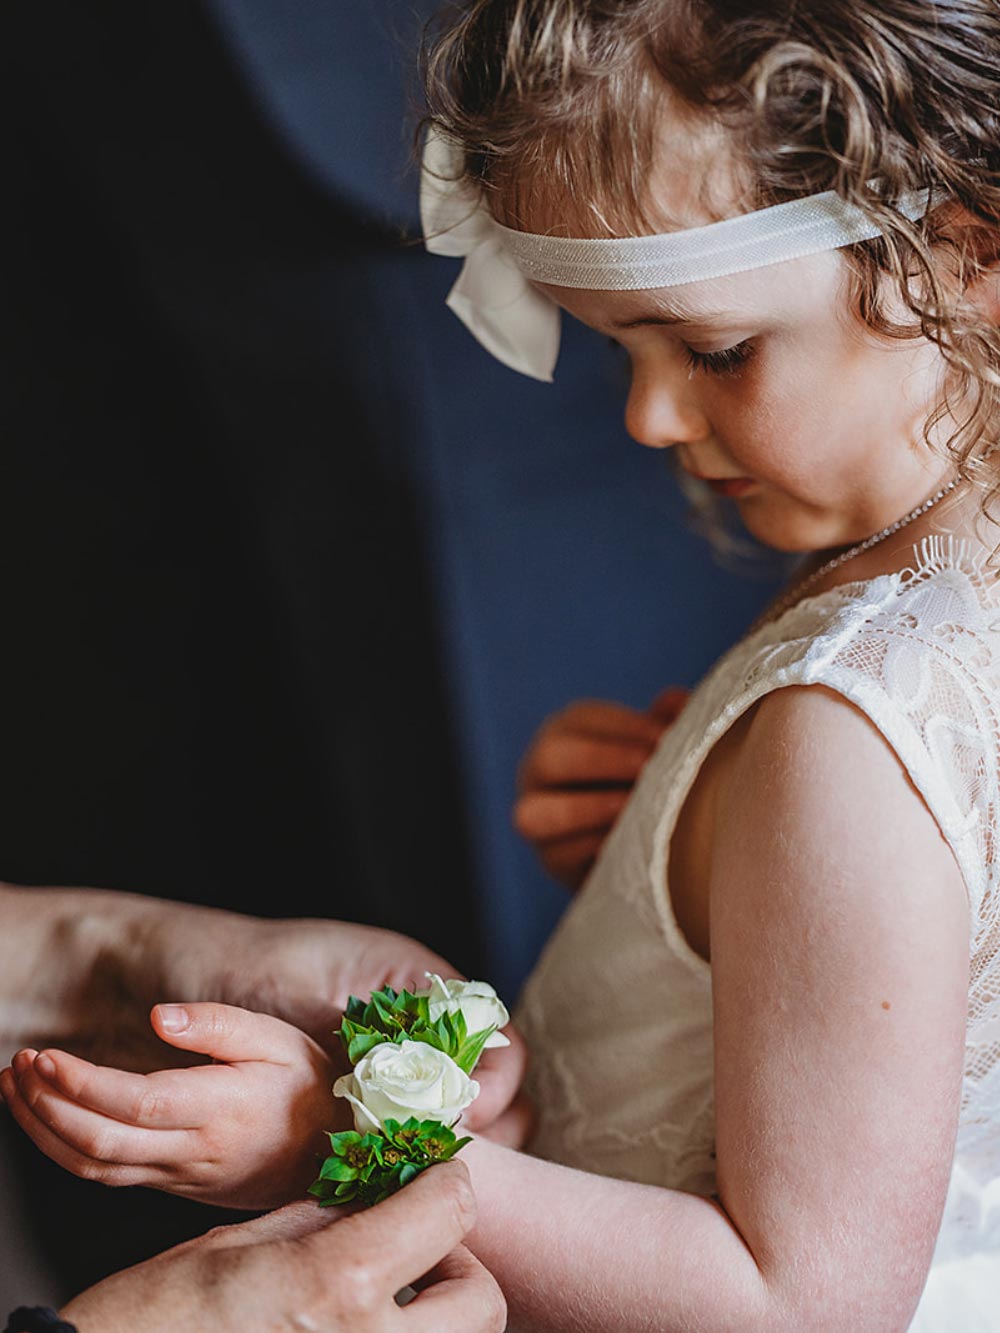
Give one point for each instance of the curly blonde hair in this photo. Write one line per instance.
(559, 99)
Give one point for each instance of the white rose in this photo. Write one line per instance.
(397, 1080)
(478, 1002)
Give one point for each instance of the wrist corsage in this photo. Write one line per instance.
(413, 1055)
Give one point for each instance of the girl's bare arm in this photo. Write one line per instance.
(839, 933)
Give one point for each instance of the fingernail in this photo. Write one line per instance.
(21, 1061)
(173, 1017)
(46, 1066)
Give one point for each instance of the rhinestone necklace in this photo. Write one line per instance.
(798, 590)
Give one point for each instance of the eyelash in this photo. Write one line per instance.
(727, 362)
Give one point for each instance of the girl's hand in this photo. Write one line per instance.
(242, 1133)
(578, 775)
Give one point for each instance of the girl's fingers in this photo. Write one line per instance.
(566, 758)
(515, 1127)
(64, 1154)
(667, 705)
(552, 816)
(500, 1073)
(571, 860)
(604, 719)
(228, 1034)
(95, 1136)
(171, 1099)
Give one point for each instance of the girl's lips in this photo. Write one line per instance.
(732, 486)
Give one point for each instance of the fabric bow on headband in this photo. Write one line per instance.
(494, 296)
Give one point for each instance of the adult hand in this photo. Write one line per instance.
(300, 1269)
(578, 774)
(81, 969)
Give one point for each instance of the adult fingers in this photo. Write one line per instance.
(291, 1223)
(459, 1294)
(397, 1242)
(568, 758)
(168, 1099)
(92, 1134)
(499, 1073)
(227, 1033)
(549, 816)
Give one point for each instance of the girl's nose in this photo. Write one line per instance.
(662, 409)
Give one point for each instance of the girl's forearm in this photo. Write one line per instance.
(573, 1251)
(65, 965)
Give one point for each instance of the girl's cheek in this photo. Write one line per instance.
(751, 428)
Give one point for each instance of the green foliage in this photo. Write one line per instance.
(370, 1167)
(403, 1016)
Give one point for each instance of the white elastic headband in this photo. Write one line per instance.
(493, 295)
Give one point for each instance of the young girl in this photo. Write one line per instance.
(766, 1036)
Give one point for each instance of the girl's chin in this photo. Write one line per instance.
(790, 533)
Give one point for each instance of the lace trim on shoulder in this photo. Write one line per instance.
(944, 551)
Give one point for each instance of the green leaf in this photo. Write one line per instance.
(433, 1129)
(460, 1027)
(322, 1189)
(467, 1056)
(383, 1008)
(458, 1145)
(347, 1138)
(335, 1168)
(408, 1172)
(362, 1044)
(433, 1036)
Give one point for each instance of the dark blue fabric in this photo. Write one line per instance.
(563, 567)
(339, 82)
(292, 569)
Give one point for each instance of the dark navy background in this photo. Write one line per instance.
(291, 569)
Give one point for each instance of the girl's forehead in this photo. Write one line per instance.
(695, 175)
(688, 175)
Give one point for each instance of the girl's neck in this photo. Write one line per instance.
(958, 514)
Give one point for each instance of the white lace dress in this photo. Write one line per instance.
(919, 653)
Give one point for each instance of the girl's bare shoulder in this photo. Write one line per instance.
(811, 779)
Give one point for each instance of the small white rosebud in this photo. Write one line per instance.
(477, 1002)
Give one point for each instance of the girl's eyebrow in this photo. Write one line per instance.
(688, 317)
